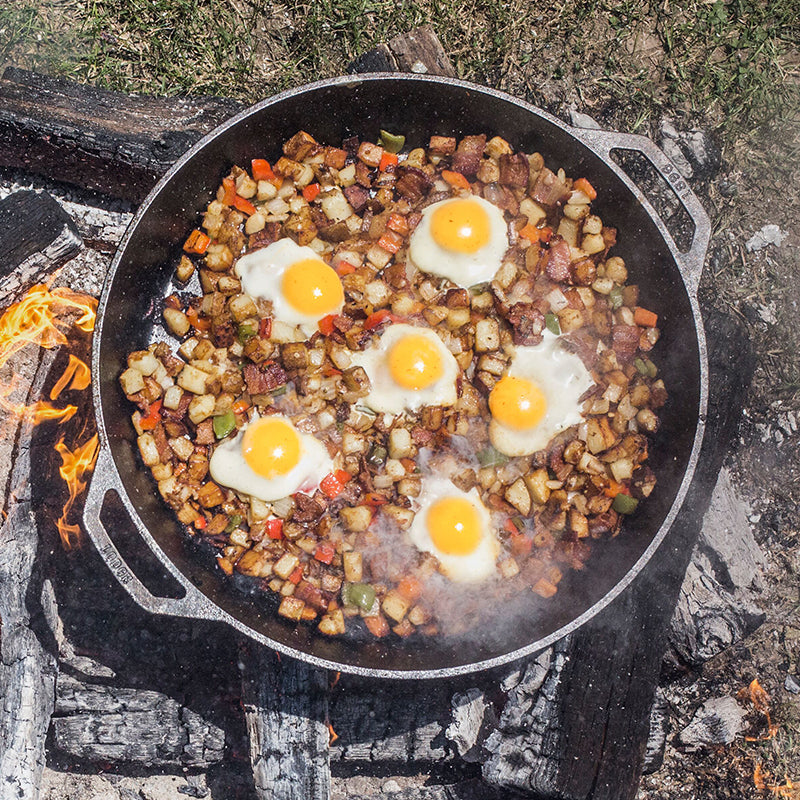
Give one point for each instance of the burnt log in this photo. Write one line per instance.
(36, 237)
(588, 735)
(96, 139)
(109, 724)
(417, 51)
(27, 666)
(286, 711)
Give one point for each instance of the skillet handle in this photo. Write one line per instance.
(193, 604)
(692, 260)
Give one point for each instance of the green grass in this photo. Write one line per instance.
(731, 62)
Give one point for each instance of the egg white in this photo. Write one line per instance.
(386, 396)
(562, 377)
(471, 568)
(229, 468)
(463, 269)
(261, 273)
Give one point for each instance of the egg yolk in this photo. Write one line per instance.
(517, 403)
(312, 287)
(454, 526)
(271, 447)
(415, 362)
(460, 226)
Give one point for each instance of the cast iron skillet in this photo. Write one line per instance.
(417, 106)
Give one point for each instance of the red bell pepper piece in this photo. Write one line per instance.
(153, 416)
(326, 325)
(455, 179)
(379, 317)
(297, 575)
(245, 206)
(397, 223)
(261, 169)
(333, 483)
(325, 552)
(200, 323)
(229, 191)
(344, 268)
(390, 241)
(197, 243)
(265, 327)
(311, 191)
(275, 528)
(387, 160)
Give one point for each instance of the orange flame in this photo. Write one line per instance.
(333, 735)
(787, 789)
(74, 465)
(41, 318)
(759, 697)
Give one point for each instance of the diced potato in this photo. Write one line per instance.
(177, 321)
(492, 364)
(255, 223)
(356, 518)
(335, 206)
(148, 449)
(576, 211)
(497, 146)
(352, 564)
(647, 420)
(185, 269)
(402, 516)
(409, 487)
(353, 442)
(201, 407)
(182, 446)
(621, 469)
(568, 229)
(378, 257)
(536, 483)
(532, 210)
(132, 381)
(193, 380)
(143, 361)
(487, 335)
(457, 317)
(395, 606)
(508, 567)
(593, 243)
(616, 270)
(570, 319)
(400, 444)
(592, 224)
(218, 257)
(403, 305)
(518, 495)
(286, 565)
(245, 186)
(266, 191)
(291, 608)
(377, 293)
(505, 276)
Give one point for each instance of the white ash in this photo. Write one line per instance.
(717, 721)
(769, 234)
(469, 712)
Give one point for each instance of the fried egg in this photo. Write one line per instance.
(537, 398)
(408, 367)
(269, 459)
(463, 239)
(302, 287)
(455, 527)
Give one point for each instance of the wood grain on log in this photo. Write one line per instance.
(286, 710)
(417, 51)
(117, 144)
(36, 237)
(27, 668)
(118, 724)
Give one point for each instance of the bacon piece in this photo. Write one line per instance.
(306, 509)
(177, 414)
(625, 341)
(556, 462)
(558, 260)
(412, 183)
(363, 175)
(357, 196)
(501, 197)
(514, 170)
(607, 522)
(527, 323)
(548, 189)
(442, 145)
(467, 157)
(162, 445)
(260, 380)
(266, 236)
(223, 331)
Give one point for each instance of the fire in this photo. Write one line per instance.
(758, 696)
(42, 318)
(787, 789)
(333, 735)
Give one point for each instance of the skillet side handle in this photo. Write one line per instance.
(692, 260)
(193, 604)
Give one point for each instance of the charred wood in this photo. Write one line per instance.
(117, 144)
(111, 724)
(27, 666)
(286, 710)
(36, 237)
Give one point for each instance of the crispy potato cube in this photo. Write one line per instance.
(218, 257)
(201, 407)
(255, 563)
(148, 449)
(143, 361)
(193, 380)
(508, 567)
(353, 566)
(291, 608)
(536, 483)
(518, 495)
(285, 565)
(177, 321)
(395, 606)
(182, 446)
(132, 381)
(593, 243)
(402, 516)
(356, 518)
(400, 444)
(185, 269)
(210, 495)
(570, 319)
(487, 335)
